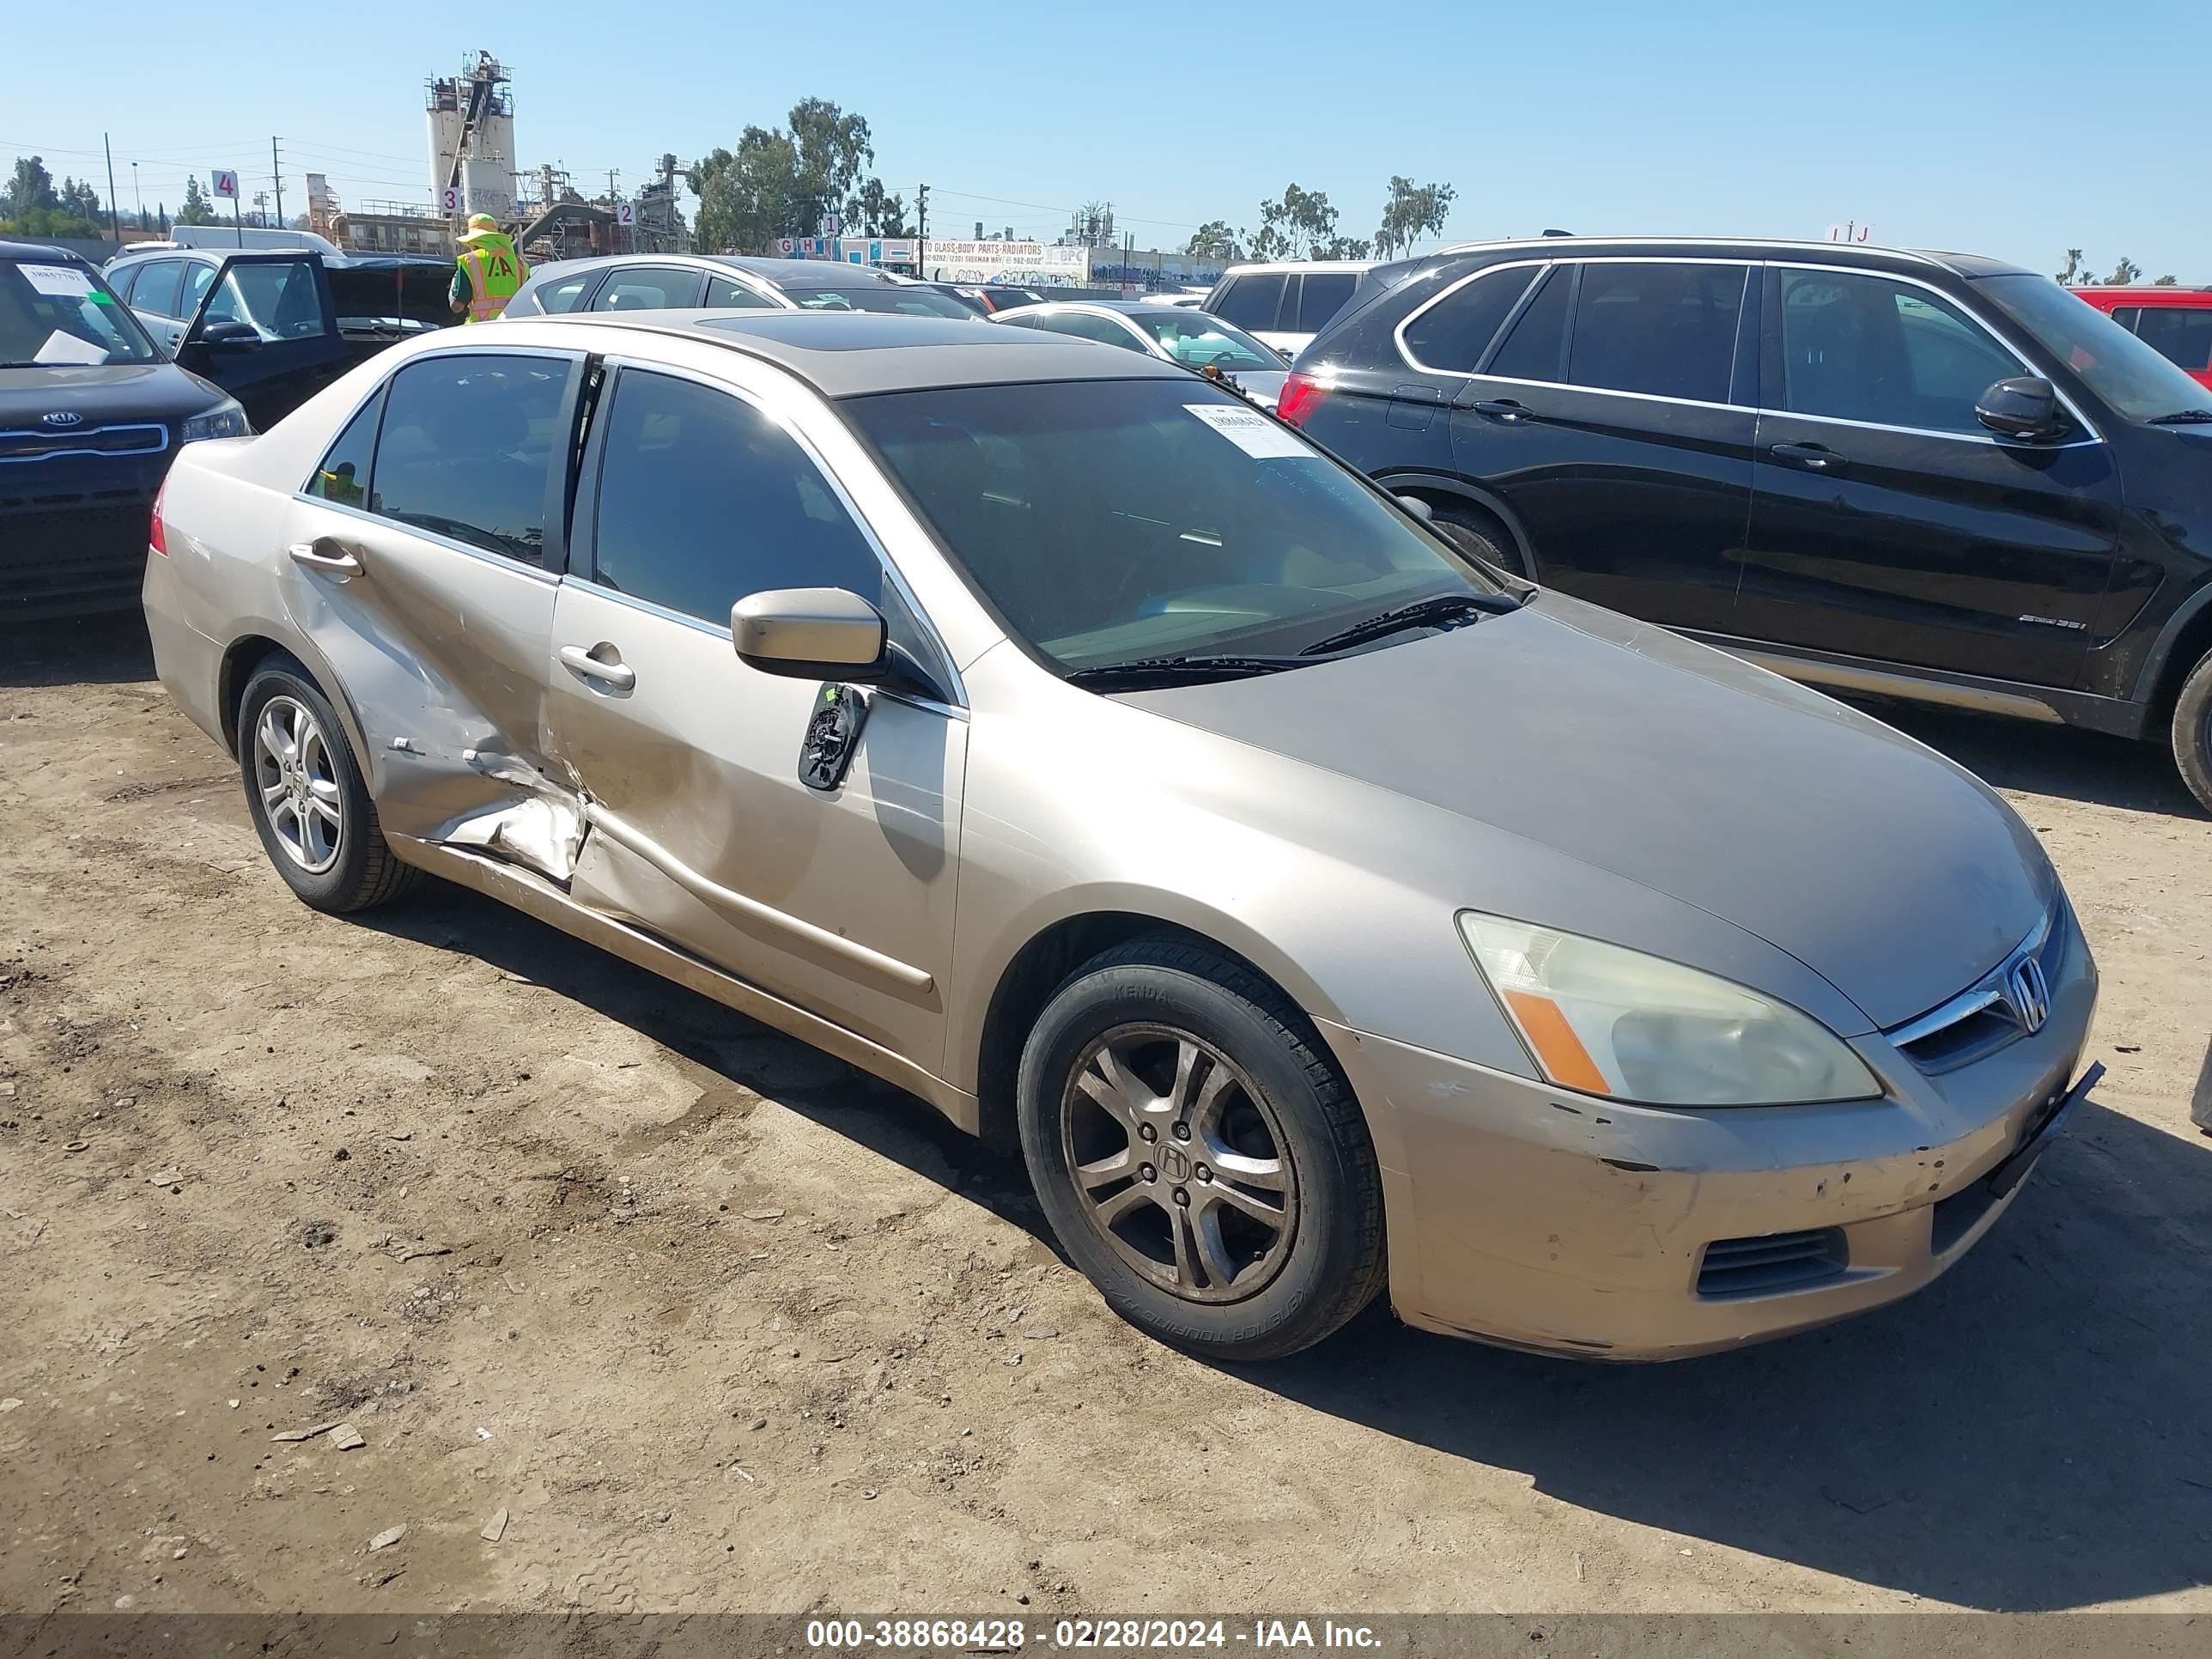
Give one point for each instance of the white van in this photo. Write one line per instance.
(1287, 304)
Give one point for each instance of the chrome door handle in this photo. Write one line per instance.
(619, 675)
(1502, 410)
(341, 563)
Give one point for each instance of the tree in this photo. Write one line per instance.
(195, 209)
(2072, 274)
(749, 197)
(1410, 213)
(2124, 273)
(1294, 227)
(779, 183)
(1213, 239)
(78, 201)
(873, 211)
(30, 189)
(1341, 247)
(832, 148)
(2168, 281)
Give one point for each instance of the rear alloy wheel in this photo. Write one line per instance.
(307, 796)
(2193, 732)
(1199, 1155)
(1480, 534)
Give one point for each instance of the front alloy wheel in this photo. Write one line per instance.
(1180, 1164)
(1201, 1157)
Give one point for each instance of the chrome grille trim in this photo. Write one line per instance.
(152, 439)
(1990, 992)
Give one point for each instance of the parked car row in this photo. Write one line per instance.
(1320, 907)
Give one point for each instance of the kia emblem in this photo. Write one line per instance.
(62, 418)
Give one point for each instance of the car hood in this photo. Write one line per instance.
(103, 393)
(1892, 873)
(1263, 385)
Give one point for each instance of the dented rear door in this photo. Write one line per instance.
(422, 559)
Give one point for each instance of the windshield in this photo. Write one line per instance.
(65, 313)
(1196, 340)
(279, 299)
(2132, 378)
(1109, 521)
(900, 298)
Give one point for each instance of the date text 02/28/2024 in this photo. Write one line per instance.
(1076, 1635)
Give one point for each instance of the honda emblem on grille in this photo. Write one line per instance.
(62, 418)
(2029, 993)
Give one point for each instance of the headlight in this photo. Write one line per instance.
(225, 420)
(1610, 1021)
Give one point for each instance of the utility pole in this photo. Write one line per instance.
(137, 200)
(921, 231)
(276, 176)
(611, 215)
(114, 220)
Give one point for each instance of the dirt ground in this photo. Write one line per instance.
(718, 1324)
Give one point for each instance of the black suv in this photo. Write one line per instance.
(1916, 474)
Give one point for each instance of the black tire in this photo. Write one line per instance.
(1476, 532)
(1330, 1262)
(2193, 732)
(360, 871)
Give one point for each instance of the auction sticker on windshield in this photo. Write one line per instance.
(1258, 436)
(61, 281)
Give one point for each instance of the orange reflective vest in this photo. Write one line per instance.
(494, 271)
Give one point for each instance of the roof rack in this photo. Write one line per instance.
(1550, 241)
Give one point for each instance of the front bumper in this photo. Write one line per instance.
(1541, 1219)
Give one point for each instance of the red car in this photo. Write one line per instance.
(2175, 321)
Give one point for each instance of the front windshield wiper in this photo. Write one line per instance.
(1435, 612)
(2181, 417)
(1175, 671)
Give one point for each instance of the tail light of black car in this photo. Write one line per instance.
(1302, 394)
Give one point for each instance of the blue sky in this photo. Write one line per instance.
(2017, 131)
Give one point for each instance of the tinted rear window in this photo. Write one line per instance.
(1535, 348)
(1455, 331)
(2181, 336)
(1249, 302)
(1666, 330)
(469, 449)
(1322, 296)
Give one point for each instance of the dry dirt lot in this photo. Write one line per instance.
(719, 1323)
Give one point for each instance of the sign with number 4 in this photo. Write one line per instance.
(226, 183)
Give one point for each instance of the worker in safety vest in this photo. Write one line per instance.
(489, 270)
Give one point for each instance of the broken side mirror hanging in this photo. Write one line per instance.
(833, 733)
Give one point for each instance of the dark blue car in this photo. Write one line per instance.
(91, 413)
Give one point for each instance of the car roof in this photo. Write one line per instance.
(1247, 268)
(852, 355)
(808, 273)
(1747, 247)
(2144, 293)
(1119, 307)
(34, 251)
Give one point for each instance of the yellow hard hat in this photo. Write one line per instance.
(481, 224)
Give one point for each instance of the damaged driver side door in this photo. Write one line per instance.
(422, 560)
(833, 892)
